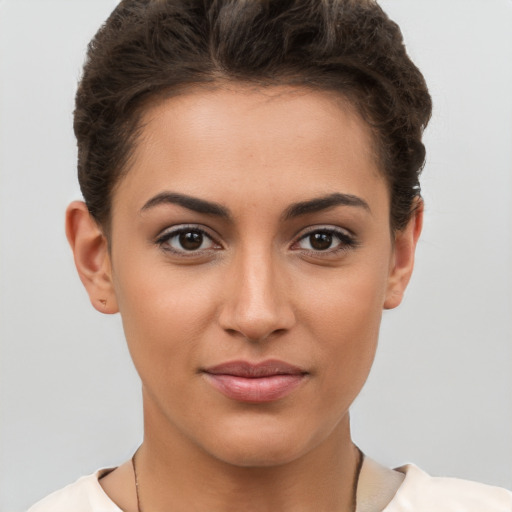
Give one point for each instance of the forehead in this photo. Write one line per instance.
(258, 114)
(253, 141)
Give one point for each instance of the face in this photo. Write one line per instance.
(251, 258)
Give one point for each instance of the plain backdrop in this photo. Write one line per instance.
(440, 393)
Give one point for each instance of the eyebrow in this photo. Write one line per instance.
(294, 210)
(323, 203)
(191, 203)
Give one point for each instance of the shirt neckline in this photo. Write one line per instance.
(104, 498)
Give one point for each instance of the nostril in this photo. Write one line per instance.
(254, 337)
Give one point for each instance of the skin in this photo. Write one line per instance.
(256, 290)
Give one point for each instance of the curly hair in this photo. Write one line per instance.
(151, 49)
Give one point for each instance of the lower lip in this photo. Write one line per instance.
(255, 390)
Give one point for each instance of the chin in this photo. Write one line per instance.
(259, 455)
(262, 445)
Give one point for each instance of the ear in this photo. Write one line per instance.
(92, 258)
(402, 262)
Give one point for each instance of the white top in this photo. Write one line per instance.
(418, 492)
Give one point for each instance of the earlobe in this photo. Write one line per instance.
(92, 259)
(403, 258)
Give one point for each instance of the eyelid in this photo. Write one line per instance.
(324, 227)
(172, 231)
(347, 238)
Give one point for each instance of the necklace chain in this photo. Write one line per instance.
(354, 490)
(139, 509)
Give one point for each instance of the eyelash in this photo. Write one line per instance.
(346, 241)
(163, 240)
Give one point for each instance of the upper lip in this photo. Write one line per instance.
(254, 370)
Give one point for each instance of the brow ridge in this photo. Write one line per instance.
(294, 210)
(189, 202)
(323, 203)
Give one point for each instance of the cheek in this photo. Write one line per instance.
(164, 311)
(345, 300)
(343, 315)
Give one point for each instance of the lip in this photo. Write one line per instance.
(243, 381)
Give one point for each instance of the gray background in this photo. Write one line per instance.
(440, 394)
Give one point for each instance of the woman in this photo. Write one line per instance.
(250, 175)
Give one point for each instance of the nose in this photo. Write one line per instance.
(257, 303)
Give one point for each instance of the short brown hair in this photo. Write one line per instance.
(148, 49)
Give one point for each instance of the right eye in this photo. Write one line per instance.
(186, 240)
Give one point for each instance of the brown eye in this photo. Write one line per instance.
(191, 240)
(320, 241)
(327, 240)
(186, 240)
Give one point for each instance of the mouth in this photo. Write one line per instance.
(267, 381)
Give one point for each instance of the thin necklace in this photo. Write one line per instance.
(359, 465)
(139, 508)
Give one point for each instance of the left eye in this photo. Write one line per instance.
(186, 240)
(325, 240)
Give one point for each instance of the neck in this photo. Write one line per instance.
(176, 474)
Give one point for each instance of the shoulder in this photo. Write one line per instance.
(84, 495)
(421, 492)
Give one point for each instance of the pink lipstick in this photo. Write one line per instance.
(257, 383)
